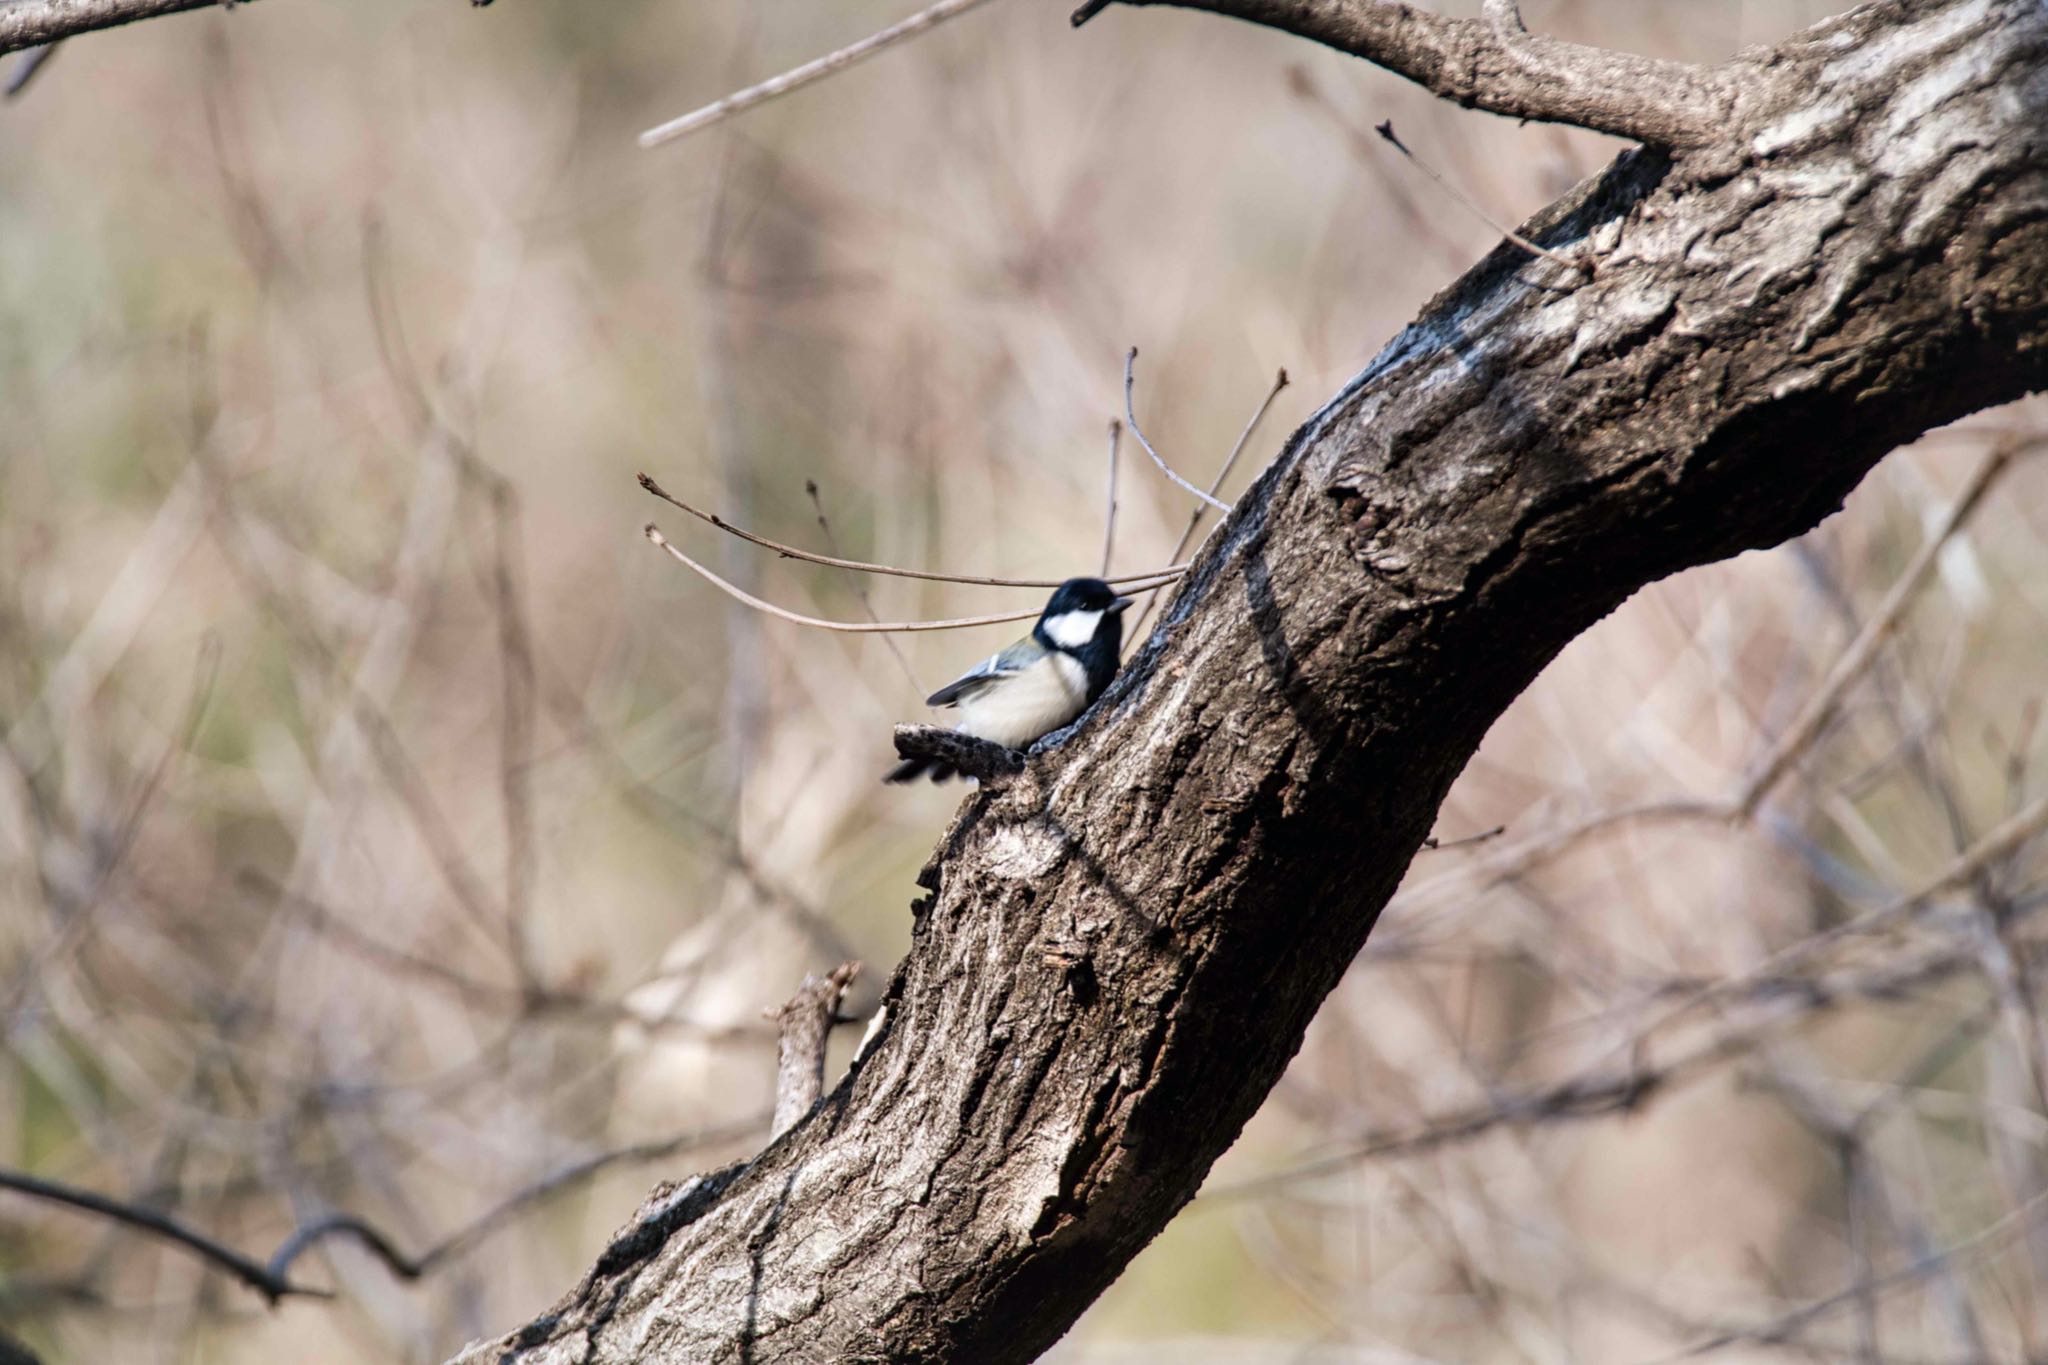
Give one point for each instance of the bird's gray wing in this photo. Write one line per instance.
(994, 668)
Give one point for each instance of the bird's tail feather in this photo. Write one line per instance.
(910, 769)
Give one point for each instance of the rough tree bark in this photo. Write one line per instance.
(1124, 944)
(32, 23)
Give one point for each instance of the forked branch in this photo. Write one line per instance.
(1497, 65)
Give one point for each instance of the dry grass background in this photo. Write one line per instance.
(385, 827)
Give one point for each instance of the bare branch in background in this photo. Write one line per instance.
(517, 723)
(271, 1285)
(1788, 1327)
(1854, 660)
(109, 865)
(532, 1000)
(504, 1211)
(804, 1026)
(272, 1278)
(1811, 720)
(664, 812)
(1116, 432)
(798, 77)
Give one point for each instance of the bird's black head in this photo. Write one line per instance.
(1084, 618)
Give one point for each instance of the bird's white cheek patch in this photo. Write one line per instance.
(1023, 853)
(1073, 628)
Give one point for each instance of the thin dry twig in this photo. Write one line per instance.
(1392, 186)
(653, 533)
(1542, 848)
(1576, 264)
(860, 593)
(1130, 416)
(862, 566)
(1116, 433)
(1436, 845)
(1570, 1101)
(1137, 632)
(798, 77)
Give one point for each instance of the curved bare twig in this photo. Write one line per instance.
(654, 534)
(1137, 631)
(1131, 416)
(890, 570)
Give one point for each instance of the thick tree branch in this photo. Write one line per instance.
(1499, 66)
(1125, 941)
(31, 23)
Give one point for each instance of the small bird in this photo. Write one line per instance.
(1040, 683)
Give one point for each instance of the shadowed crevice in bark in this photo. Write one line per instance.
(1124, 942)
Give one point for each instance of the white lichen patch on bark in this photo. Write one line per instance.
(1023, 852)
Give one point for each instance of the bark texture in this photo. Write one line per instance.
(32, 23)
(1123, 944)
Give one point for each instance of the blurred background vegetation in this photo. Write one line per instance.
(386, 827)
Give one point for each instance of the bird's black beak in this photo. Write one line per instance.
(1120, 604)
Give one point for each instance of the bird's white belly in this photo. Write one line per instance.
(1035, 702)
